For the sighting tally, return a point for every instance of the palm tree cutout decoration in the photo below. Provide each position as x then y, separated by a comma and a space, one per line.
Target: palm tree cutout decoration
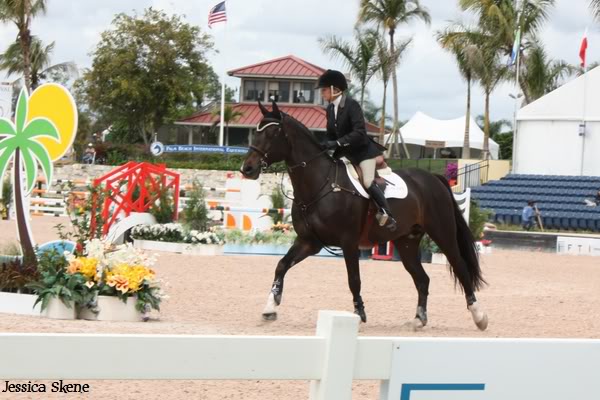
43, 131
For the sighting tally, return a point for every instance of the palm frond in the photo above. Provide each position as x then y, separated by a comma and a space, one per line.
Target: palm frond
42, 157
7, 128
21, 113
7, 146
30, 168
40, 127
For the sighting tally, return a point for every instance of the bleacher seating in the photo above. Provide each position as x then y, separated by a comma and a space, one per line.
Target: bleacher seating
560, 199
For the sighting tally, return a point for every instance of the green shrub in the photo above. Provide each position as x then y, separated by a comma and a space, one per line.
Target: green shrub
477, 219
195, 214
278, 202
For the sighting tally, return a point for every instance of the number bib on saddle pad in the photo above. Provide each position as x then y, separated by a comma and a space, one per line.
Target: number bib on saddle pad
395, 186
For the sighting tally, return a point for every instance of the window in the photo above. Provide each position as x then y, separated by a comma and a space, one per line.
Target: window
304, 92
279, 91
254, 90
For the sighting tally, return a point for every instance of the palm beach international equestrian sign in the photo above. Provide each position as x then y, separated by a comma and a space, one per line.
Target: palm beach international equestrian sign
157, 148
42, 132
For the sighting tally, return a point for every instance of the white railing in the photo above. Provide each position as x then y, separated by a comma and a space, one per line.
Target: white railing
499, 368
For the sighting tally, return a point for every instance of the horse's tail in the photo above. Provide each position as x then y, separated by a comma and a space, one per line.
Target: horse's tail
466, 241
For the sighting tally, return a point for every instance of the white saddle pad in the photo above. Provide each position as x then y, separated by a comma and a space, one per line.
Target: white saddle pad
395, 189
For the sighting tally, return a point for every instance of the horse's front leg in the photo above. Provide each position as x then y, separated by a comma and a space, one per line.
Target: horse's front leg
351, 256
301, 249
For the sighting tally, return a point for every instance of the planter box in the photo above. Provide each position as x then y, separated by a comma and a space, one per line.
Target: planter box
264, 249
113, 309
17, 303
57, 310
439, 258
258, 249
181, 248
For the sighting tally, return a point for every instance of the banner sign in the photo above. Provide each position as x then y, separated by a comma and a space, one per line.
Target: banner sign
494, 369
158, 148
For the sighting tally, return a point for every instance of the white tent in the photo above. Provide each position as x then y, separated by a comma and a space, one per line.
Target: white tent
423, 130
548, 131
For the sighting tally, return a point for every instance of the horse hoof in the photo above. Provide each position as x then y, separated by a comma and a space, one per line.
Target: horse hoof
270, 316
482, 324
362, 315
479, 316
417, 324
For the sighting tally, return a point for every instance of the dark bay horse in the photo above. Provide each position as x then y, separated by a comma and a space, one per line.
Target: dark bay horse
325, 212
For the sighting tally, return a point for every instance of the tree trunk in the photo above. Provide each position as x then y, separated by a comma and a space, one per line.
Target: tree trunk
395, 131
466, 153
382, 122
485, 154
25, 39
23, 229
362, 96
227, 134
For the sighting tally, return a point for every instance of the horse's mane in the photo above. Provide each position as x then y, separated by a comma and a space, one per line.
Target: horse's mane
300, 126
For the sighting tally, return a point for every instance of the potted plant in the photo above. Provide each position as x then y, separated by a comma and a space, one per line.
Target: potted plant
120, 283
58, 290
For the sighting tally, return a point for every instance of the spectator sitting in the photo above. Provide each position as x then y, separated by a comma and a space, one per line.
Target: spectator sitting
528, 215
89, 155
594, 202
301, 98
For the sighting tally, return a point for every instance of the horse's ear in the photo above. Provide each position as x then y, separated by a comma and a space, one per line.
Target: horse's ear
276, 109
263, 109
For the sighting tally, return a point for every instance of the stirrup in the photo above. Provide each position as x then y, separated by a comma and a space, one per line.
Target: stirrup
382, 217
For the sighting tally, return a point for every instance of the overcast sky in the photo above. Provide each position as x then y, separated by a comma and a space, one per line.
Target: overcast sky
259, 30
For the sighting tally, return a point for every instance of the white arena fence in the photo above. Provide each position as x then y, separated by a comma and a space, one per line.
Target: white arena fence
408, 368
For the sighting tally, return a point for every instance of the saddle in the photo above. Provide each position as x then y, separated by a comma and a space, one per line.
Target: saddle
381, 170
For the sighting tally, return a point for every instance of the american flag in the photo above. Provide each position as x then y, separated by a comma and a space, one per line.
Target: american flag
217, 14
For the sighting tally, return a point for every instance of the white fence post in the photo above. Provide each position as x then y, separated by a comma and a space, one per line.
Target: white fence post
340, 330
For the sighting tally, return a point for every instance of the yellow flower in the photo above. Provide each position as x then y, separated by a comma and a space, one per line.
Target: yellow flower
135, 275
88, 267
74, 266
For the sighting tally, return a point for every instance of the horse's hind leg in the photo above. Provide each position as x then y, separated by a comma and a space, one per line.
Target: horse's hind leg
298, 252
449, 245
409, 253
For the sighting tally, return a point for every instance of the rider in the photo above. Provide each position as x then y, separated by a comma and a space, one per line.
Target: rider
348, 137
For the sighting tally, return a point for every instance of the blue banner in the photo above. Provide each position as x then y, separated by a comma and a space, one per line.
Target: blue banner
196, 148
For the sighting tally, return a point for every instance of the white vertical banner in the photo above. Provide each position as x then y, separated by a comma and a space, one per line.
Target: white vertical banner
6, 92
493, 369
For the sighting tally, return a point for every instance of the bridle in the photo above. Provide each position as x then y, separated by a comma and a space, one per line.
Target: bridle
264, 160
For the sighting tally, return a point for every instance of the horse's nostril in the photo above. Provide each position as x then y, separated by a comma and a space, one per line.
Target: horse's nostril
248, 169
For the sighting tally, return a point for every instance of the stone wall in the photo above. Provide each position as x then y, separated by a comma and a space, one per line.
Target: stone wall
207, 178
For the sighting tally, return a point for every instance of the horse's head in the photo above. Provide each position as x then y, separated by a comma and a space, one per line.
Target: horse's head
269, 143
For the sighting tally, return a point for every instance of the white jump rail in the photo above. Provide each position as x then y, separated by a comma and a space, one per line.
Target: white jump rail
498, 369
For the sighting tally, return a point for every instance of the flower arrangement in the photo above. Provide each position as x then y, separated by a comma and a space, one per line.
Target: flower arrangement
100, 270
176, 233
120, 271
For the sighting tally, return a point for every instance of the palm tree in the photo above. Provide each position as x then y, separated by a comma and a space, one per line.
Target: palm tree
579, 70
230, 115
389, 14
595, 6
359, 58
542, 75
454, 41
21, 12
12, 62
386, 61
20, 144
501, 19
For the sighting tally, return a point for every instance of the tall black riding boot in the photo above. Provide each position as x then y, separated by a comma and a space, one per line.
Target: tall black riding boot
384, 217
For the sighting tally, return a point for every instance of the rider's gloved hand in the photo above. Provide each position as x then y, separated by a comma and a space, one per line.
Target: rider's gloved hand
331, 145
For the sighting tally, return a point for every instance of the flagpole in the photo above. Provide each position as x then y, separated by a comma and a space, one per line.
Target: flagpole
518, 92
582, 126
222, 121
